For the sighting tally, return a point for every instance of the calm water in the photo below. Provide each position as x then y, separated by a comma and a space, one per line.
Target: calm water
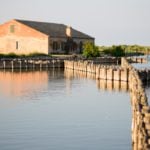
143, 65
53, 110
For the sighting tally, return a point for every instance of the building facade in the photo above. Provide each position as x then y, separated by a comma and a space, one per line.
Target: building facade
25, 37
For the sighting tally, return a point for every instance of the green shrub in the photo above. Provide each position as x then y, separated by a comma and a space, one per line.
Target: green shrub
11, 55
116, 51
90, 50
36, 54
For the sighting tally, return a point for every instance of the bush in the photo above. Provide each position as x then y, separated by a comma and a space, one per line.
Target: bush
13, 55
90, 50
116, 51
36, 54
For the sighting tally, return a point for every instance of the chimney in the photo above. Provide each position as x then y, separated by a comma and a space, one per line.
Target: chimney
68, 31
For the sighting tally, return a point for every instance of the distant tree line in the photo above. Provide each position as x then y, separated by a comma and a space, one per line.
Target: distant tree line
91, 50
124, 50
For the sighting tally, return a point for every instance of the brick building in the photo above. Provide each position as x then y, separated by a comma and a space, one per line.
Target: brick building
24, 37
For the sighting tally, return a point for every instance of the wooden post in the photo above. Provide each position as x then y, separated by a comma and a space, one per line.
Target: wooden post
20, 64
12, 65
53, 61
40, 65
4, 64
103, 73
110, 73
26, 61
97, 72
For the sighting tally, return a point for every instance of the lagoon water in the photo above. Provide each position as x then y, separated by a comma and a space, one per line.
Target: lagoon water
57, 110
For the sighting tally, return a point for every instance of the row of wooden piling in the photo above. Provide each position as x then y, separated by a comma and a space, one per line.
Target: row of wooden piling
139, 102
137, 59
110, 85
140, 110
101, 71
30, 64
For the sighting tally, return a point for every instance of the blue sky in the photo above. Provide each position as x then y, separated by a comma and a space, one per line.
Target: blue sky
109, 21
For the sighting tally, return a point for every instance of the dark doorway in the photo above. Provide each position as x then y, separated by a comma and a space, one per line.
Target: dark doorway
69, 45
81, 46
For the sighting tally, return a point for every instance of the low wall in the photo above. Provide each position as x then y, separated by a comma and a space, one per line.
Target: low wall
140, 110
137, 59
105, 60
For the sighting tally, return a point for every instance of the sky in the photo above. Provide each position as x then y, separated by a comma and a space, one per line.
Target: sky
110, 22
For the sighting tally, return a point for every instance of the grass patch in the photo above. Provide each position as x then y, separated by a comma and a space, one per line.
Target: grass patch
13, 55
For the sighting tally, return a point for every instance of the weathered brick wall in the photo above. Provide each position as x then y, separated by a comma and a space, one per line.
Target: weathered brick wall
22, 40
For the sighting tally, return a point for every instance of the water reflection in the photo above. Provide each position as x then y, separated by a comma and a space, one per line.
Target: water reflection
69, 112
112, 85
144, 64
71, 74
101, 84
24, 82
141, 66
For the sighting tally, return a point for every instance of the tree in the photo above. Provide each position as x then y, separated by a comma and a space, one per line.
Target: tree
90, 50
116, 51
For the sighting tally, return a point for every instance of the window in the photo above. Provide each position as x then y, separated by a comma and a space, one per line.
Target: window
62, 45
16, 44
12, 28
55, 45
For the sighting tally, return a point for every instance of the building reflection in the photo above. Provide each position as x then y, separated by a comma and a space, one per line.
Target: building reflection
101, 84
29, 82
25, 82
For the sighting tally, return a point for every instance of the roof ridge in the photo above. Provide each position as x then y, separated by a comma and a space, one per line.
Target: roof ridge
53, 29
22, 20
